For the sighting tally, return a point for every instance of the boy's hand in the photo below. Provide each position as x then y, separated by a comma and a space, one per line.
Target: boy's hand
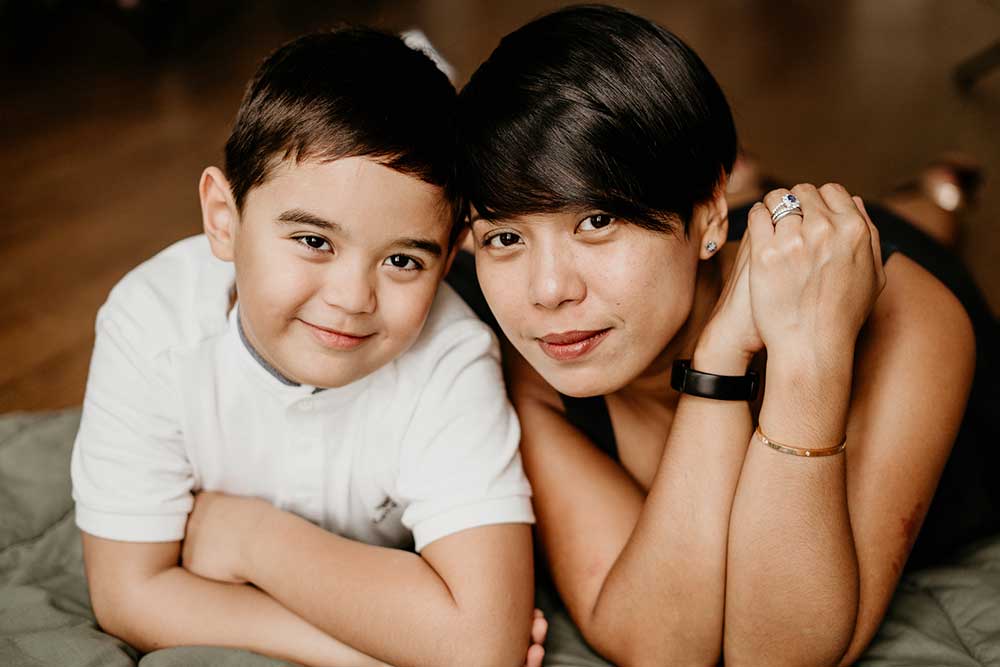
216, 532
536, 651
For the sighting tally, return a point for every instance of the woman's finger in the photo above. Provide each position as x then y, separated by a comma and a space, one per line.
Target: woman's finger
837, 198
787, 223
819, 218
759, 227
876, 241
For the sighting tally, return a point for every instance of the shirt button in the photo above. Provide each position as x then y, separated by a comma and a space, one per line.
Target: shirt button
305, 407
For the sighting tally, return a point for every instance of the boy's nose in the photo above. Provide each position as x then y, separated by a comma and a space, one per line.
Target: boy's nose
352, 291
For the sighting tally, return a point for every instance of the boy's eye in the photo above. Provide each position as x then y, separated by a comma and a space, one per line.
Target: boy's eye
314, 242
502, 240
595, 222
402, 262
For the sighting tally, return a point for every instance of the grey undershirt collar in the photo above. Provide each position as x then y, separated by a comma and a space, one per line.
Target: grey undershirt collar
259, 359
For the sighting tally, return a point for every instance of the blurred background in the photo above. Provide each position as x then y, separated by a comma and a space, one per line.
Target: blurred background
111, 108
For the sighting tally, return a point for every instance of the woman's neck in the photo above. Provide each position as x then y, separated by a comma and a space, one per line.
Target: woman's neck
655, 380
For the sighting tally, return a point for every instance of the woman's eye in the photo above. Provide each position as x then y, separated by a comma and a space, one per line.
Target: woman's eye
314, 242
502, 240
402, 262
594, 222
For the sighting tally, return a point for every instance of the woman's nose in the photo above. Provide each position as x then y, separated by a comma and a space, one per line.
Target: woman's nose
554, 279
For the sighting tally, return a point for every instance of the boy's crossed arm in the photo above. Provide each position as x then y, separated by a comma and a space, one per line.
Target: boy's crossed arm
466, 600
141, 595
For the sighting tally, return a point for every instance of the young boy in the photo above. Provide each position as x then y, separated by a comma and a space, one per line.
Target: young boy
299, 369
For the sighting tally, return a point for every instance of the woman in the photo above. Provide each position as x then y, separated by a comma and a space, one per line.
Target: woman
682, 528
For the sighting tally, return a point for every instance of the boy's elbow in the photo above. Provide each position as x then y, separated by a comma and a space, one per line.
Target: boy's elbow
121, 609
112, 610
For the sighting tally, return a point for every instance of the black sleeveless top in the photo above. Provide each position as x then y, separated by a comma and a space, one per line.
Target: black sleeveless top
966, 505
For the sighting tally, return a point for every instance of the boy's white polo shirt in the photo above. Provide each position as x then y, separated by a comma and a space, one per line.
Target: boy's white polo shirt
422, 448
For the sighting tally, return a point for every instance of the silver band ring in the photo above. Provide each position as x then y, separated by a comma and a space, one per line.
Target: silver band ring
788, 204
781, 214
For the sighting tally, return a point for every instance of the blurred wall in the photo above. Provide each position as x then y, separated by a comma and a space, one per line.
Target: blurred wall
112, 108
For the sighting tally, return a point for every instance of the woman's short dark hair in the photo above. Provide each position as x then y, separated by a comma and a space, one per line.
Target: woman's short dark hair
592, 107
350, 92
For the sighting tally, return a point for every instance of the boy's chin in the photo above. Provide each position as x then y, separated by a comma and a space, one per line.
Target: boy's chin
315, 371
330, 380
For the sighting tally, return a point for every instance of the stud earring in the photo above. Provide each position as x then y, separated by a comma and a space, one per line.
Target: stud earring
711, 246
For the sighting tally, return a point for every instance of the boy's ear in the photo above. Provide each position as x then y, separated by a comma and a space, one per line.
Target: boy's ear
219, 215
713, 224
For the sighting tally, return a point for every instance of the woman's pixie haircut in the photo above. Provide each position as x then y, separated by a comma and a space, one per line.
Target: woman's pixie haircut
350, 92
593, 108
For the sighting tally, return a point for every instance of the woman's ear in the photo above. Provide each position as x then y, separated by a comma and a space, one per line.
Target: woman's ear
713, 224
219, 215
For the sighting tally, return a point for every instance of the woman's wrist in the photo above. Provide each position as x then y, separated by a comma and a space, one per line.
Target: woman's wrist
811, 366
713, 355
807, 397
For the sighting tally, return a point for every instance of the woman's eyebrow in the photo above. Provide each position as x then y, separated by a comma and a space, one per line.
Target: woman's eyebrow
488, 221
298, 216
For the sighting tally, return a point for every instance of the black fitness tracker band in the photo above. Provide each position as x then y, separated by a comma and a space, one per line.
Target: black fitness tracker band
686, 380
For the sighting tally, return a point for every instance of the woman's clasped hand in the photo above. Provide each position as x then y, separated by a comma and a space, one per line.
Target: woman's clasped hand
803, 286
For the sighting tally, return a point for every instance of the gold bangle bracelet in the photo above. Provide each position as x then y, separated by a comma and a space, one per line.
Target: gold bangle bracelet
800, 451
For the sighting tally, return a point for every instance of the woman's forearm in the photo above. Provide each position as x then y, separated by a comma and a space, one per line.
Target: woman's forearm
792, 585
667, 588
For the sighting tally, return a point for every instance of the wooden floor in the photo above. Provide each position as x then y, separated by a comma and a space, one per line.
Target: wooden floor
103, 137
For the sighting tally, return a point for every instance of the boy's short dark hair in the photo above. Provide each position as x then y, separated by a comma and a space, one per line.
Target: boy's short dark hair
592, 107
349, 92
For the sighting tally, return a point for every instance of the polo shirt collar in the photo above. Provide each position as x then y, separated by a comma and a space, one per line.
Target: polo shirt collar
259, 359
273, 380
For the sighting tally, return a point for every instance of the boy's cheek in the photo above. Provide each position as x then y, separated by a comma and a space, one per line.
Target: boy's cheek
407, 310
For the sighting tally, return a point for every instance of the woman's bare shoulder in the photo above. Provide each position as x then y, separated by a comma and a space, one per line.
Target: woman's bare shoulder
915, 307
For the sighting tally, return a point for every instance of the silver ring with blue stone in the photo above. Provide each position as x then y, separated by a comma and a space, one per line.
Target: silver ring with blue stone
788, 205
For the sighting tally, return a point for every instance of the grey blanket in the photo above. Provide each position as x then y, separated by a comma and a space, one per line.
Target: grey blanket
945, 616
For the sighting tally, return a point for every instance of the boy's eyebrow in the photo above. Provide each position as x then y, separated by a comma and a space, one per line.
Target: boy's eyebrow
432, 247
301, 217
298, 216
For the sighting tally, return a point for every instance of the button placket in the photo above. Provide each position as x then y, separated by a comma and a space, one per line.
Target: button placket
303, 480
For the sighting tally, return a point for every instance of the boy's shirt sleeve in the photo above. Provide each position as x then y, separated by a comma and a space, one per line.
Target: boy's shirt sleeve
132, 479
460, 466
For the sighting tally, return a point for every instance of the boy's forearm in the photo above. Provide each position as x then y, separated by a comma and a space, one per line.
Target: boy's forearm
388, 602
177, 608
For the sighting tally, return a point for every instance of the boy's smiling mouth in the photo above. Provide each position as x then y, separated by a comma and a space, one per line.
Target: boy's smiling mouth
333, 339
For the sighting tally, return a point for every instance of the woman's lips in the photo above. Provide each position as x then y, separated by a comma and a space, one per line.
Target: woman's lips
571, 345
337, 340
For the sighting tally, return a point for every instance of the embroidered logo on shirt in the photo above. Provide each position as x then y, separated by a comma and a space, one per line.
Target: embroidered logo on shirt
384, 509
